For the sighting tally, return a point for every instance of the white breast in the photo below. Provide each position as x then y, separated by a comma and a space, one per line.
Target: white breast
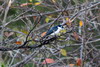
56, 32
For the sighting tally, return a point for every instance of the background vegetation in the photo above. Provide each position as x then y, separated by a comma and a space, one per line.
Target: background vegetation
23, 23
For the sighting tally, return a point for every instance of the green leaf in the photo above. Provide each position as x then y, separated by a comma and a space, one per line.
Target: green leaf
2, 64
24, 31
63, 31
30, 0
37, 3
63, 52
47, 20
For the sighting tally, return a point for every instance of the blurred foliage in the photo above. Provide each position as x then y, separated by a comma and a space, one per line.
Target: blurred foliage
23, 15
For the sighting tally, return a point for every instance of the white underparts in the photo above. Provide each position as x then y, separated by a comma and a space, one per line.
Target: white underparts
58, 31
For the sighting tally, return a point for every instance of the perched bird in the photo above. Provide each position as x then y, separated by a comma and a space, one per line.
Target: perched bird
54, 30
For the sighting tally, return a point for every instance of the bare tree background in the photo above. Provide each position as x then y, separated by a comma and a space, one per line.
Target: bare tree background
23, 22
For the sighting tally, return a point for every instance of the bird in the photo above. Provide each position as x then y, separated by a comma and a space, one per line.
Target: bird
54, 30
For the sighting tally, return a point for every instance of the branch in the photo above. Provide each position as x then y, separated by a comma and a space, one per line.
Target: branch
26, 60
76, 14
43, 41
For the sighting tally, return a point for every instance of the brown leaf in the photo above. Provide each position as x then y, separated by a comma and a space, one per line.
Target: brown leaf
48, 60
43, 34
25, 4
69, 22
71, 65
78, 62
18, 42
76, 36
34, 17
8, 34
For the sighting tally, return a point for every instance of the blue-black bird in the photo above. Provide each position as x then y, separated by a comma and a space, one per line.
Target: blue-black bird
54, 30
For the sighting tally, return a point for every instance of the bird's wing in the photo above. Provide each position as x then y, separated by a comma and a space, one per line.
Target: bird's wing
51, 30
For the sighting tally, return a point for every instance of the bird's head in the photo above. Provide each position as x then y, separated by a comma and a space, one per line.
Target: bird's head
60, 26
62, 29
